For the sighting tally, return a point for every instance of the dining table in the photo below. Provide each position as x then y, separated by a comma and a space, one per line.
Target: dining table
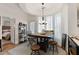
42, 40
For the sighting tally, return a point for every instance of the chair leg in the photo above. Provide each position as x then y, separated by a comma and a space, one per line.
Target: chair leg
38, 52
53, 49
1, 49
49, 47
33, 52
56, 49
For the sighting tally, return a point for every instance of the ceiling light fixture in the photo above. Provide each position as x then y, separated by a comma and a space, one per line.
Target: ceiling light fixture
43, 16
43, 7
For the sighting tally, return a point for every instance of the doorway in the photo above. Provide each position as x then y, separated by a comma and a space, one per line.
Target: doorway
7, 33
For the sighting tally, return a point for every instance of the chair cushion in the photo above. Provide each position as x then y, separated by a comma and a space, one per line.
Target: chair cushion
35, 47
52, 42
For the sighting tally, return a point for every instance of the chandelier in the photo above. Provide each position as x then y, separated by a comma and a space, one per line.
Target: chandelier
43, 16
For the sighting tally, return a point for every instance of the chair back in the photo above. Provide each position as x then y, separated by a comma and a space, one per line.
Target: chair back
31, 40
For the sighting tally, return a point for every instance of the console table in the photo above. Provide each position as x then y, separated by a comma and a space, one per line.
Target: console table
73, 46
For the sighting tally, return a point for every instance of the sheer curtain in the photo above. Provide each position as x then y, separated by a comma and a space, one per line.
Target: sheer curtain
49, 21
39, 26
57, 28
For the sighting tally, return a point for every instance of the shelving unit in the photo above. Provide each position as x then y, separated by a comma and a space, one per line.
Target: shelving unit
22, 28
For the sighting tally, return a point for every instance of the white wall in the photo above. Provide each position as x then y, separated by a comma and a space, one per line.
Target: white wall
64, 22
63, 27
13, 11
32, 19
72, 20
69, 20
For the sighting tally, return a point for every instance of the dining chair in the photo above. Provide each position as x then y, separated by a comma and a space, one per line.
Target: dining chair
53, 44
34, 47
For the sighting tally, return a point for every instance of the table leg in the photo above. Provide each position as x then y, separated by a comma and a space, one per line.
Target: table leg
37, 40
47, 42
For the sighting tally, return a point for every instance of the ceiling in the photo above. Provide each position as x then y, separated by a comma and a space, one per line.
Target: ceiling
35, 8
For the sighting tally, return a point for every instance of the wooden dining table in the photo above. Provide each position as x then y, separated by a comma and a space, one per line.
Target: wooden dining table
42, 40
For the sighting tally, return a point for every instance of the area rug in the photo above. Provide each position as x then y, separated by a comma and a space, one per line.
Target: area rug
8, 46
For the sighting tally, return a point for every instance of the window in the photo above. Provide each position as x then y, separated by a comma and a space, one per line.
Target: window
32, 27
48, 20
57, 27
40, 27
